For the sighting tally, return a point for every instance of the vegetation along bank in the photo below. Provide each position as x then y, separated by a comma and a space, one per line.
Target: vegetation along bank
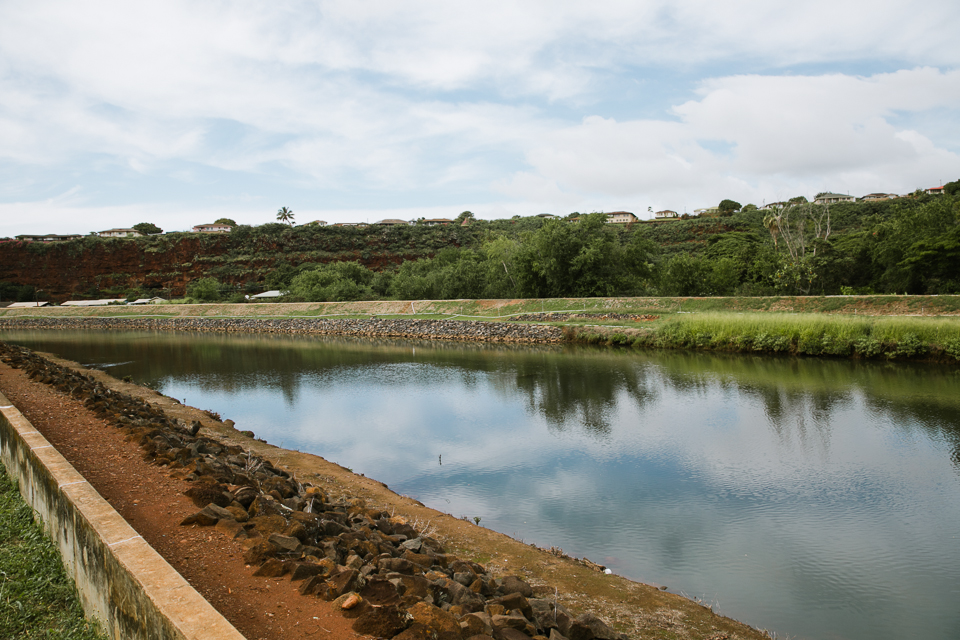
849, 327
908, 245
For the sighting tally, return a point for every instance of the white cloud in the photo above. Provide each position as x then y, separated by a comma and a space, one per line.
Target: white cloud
787, 135
429, 102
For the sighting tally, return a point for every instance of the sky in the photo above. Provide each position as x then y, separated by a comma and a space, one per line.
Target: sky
179, 113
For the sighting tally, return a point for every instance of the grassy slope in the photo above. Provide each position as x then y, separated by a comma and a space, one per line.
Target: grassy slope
37, 599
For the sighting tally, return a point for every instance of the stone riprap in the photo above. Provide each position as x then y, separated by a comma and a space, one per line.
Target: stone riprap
396, 581
372, 327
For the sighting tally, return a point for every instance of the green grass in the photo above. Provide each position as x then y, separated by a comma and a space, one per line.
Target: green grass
810, 334
37, 599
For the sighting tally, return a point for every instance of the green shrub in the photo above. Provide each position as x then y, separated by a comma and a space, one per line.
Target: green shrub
868, 347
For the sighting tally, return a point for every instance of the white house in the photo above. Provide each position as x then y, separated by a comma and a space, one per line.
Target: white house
666, 213
119, 233
833, 198
621, 217
212, 228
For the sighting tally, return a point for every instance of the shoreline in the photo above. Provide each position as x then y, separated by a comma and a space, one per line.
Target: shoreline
630, 606
933, 339
496, 332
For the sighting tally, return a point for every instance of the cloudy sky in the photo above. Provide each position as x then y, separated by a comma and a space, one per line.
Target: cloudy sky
118, 112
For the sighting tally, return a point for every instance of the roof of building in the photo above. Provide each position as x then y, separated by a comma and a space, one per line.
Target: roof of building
26, 305
92, 303
392, 221
269, 294
147, 301
52, 236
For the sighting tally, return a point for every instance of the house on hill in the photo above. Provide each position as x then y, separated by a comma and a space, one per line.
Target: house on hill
665, 214
213, 227
935, 191
432, 222
875, 197
621, 217
119, 233
773, 206
50, 237
832, 198
392, 222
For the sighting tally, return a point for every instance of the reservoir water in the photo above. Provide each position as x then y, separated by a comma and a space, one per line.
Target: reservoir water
814, 498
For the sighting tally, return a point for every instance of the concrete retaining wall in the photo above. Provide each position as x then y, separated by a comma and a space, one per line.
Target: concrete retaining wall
123, 582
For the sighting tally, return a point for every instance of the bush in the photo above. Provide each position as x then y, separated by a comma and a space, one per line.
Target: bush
867, 347
204, 289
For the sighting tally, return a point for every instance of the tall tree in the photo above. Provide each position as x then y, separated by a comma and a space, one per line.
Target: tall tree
285, 215
147, 228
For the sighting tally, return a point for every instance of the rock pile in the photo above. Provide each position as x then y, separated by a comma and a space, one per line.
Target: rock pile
391, 328
394, 580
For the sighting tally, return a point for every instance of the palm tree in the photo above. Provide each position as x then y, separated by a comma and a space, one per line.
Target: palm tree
285, 215
772, 223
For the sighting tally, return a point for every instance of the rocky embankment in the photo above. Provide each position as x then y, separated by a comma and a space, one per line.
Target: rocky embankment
379, 327
396, 581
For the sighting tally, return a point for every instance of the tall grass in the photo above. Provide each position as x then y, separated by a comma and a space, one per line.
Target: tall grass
810, 334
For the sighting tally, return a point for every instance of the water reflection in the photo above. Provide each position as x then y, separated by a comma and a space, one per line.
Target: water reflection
815, 498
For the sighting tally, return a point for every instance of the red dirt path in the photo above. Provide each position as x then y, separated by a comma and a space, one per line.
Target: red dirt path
154, 504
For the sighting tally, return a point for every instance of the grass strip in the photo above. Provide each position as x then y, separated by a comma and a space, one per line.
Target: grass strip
37, 598
805, 334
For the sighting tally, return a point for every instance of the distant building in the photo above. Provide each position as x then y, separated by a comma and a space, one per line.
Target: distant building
874, 197
433, 222
546, 215
936, 191
212, 228
119, 233
352, 224
621, 217
708, 211
93, 303
50, 237
832, 198
773, 206
27, 305
318, 223
147, 301
666, 213
392, 222
268, 295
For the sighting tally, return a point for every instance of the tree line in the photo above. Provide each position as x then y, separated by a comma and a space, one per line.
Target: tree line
909, 246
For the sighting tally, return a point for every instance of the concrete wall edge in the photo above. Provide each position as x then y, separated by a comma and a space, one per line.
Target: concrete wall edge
122, 581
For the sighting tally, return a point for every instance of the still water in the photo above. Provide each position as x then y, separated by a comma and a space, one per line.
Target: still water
816, 499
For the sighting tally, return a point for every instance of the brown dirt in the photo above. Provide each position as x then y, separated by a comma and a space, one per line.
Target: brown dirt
153, 503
